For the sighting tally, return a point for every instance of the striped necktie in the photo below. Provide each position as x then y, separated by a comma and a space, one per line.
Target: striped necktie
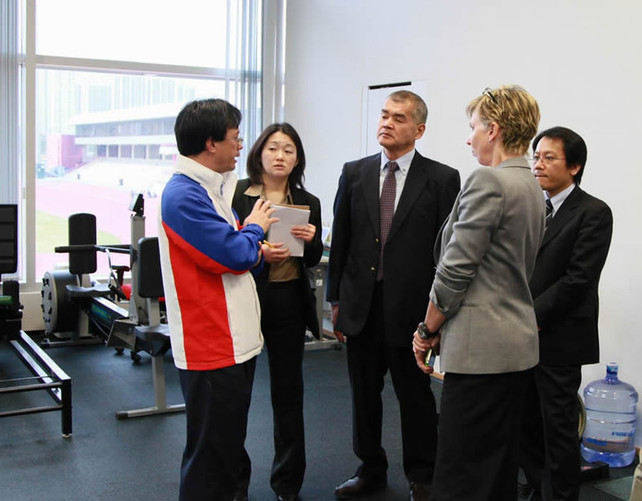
549, 211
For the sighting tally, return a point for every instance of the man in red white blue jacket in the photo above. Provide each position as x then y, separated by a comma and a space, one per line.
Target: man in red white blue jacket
212, 307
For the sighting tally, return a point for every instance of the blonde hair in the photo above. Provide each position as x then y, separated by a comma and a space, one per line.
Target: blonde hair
514, 110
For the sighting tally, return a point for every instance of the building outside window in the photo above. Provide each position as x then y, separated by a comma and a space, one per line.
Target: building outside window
98, 101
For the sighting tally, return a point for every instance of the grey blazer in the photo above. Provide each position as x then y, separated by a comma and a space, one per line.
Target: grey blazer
486, 256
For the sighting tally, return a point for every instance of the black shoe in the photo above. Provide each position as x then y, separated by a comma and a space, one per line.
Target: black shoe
419, 491
287, 497
524, 489
357, 486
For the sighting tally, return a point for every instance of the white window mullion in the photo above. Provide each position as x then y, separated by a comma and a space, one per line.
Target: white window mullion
9, 102
27, 139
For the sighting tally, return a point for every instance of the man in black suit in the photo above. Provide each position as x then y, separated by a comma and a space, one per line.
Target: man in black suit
379, 287
564, 286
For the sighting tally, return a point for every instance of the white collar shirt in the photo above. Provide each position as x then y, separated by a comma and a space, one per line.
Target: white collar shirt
558, 199
403, 162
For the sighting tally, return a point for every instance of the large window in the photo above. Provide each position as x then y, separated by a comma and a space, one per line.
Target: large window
100, 139
100, 85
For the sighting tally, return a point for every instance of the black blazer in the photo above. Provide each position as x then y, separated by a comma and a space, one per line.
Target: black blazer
427, 198
566, 278
312, 252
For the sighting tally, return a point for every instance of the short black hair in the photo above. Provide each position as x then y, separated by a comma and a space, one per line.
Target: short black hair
202, 119
255, 168
574, 147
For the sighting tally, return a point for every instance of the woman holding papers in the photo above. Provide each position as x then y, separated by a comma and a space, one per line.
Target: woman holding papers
275, 167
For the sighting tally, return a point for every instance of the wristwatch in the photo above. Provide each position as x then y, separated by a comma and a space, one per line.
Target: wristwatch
424, 332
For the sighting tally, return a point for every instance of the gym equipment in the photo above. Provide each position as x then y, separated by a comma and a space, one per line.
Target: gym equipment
47, 375
77, 311
10, 308
72, 303
327, 338
152, 337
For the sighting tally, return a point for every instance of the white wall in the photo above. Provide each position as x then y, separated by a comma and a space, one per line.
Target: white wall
580, 59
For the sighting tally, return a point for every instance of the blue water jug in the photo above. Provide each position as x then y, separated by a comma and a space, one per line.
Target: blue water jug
610, 420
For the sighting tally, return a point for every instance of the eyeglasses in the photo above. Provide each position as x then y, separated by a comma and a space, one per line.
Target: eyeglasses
546, 159
237, 140
488, 92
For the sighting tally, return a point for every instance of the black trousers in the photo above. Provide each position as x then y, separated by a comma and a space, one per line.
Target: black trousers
216, 407
479, 424
370, 356
283, 327
550, 443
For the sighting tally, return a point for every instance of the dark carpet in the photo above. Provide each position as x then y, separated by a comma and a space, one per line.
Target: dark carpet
139, 458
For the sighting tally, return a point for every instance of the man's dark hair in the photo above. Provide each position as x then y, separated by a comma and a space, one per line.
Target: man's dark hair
419, 108
574, 147
203, 119
254, 165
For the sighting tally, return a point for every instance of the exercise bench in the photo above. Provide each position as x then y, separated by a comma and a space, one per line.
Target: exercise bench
47, 375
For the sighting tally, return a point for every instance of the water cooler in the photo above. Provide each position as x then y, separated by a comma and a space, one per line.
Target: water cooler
610, 420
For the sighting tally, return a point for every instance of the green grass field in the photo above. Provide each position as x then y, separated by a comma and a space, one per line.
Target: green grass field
53, 231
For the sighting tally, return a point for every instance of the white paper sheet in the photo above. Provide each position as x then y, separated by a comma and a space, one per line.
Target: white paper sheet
280, 231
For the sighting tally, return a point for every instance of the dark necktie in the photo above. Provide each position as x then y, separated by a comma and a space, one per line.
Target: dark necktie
549, 211
386, 210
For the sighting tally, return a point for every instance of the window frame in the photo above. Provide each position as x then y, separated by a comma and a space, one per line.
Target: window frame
245, 83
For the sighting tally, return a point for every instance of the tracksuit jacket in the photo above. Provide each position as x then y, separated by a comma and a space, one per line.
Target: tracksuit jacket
212, 306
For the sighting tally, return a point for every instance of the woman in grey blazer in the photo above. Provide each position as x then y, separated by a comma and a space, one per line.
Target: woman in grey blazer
480, 315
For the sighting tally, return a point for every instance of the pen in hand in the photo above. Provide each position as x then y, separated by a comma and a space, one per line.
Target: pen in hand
275, 252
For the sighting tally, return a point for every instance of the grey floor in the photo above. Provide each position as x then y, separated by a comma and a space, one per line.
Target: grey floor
138, 459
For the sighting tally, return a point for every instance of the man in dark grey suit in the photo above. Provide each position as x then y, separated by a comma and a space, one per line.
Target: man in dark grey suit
379, 286
565, 292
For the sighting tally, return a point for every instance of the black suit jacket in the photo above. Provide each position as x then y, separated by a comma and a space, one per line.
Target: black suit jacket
566, 278
427, 198
312, 252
